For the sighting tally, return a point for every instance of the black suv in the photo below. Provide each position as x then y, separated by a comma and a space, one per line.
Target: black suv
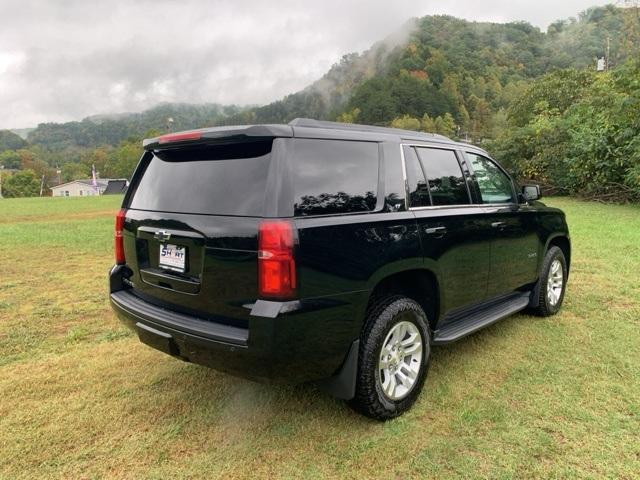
328, 253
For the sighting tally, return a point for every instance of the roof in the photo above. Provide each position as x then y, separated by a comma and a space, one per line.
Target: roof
115, 187
102, 182
356, 127
300, 127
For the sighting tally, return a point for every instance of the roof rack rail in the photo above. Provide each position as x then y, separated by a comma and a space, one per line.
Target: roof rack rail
310, 122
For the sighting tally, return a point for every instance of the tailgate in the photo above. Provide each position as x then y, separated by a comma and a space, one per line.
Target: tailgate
220, 262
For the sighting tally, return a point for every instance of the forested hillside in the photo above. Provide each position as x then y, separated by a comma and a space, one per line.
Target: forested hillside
577, 132
112, 129
486, 83
470, 70
10, 141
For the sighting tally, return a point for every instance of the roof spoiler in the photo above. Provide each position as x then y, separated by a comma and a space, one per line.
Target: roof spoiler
217, 135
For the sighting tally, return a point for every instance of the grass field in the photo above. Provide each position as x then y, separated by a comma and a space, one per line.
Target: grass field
526, 398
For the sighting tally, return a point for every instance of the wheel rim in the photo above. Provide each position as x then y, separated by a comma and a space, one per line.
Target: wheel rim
555, 283
400, 360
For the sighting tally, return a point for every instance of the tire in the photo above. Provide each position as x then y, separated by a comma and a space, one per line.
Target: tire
391, 324
546, 304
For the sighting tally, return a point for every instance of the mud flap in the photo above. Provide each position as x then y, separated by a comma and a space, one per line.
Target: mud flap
343, 384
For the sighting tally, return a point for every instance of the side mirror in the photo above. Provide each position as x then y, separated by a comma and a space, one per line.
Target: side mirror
531, 192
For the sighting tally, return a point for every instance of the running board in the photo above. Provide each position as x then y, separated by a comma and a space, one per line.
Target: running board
479, 318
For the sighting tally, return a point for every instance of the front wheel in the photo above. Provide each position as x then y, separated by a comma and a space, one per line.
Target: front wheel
552, 283
393, 358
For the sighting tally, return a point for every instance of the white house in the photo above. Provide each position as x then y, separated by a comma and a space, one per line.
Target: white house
85, 188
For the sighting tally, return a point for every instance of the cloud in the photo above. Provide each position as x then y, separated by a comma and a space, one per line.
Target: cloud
66, 59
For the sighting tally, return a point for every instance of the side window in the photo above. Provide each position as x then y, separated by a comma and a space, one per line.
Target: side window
495, 186
447, 185
333, 177
418, 191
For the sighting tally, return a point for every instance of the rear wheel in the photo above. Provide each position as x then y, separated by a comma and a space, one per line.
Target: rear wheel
393, 358
552, 283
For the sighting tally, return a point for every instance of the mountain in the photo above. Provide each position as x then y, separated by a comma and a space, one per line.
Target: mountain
11, 141
470, 70
22, 132
112, 129
325, 98
436, 72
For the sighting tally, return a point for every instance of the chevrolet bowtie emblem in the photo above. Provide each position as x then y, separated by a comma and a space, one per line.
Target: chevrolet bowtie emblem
162, 235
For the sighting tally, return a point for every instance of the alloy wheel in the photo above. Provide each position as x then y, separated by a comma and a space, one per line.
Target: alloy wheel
555, 283
400, 360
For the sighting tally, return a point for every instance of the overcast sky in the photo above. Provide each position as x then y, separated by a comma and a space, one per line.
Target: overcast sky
62, 60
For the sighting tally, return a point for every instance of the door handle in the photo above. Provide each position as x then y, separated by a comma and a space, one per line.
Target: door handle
499, 225
436, 230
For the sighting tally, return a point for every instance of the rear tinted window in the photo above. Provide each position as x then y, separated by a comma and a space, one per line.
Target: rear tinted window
216, 180
333, 177
444, 175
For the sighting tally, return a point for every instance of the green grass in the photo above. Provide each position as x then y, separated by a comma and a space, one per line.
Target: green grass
64, 207
80, 397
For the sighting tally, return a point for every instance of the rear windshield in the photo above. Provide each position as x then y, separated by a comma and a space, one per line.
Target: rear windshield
214, 180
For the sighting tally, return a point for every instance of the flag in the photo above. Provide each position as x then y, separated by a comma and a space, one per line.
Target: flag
94, 181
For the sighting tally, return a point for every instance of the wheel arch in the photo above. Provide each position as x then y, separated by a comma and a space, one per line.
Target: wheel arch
563, 243
419, 284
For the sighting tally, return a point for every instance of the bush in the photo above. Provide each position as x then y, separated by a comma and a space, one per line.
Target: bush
21, 184
588, 147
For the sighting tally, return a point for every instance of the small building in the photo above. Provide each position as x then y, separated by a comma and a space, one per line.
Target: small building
85, 188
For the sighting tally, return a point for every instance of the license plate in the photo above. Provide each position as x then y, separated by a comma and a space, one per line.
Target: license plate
172, 257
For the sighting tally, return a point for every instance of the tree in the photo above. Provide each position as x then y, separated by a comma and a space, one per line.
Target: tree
464, 118
590, 147
559, 90
437, 66
428, 124
30, 160
21, 184
123, 160
480, 118
75, 171
349, 117
406, 123
445, 125
10, 159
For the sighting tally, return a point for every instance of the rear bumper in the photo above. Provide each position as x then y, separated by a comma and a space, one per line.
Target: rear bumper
137, 310
219, 346
282, 344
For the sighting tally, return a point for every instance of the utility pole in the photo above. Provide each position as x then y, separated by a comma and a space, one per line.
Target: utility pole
606, 61
41, 185
1, 168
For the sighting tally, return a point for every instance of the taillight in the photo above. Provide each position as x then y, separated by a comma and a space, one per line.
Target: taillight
119, 243
180, 137
276, 265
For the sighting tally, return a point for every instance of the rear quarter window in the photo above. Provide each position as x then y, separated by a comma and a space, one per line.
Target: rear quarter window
214, 180
334, 177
